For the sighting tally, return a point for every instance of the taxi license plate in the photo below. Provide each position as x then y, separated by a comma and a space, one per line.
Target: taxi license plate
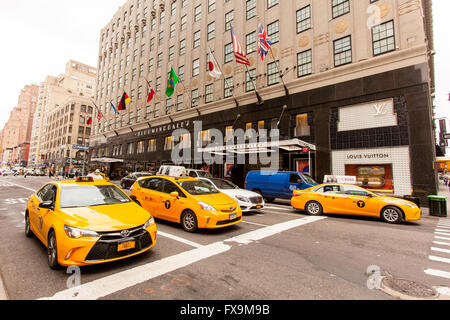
126, 246
258, 207
232, 216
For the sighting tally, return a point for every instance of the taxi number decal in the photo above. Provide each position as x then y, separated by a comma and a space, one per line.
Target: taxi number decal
361, 204
167, 204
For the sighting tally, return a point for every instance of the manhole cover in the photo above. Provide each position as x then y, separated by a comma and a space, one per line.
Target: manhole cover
409, 288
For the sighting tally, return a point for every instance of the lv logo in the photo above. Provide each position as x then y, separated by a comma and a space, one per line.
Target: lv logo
380, 109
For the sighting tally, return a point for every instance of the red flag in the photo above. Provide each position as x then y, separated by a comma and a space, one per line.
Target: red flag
151, 92
239, 53
89, 122
99, 115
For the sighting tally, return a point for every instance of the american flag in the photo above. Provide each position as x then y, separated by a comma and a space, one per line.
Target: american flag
263, 42
239, 54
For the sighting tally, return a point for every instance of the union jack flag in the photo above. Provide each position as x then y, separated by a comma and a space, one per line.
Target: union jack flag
263, 42
239, 54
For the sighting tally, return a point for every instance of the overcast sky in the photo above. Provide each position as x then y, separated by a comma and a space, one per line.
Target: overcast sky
39, 36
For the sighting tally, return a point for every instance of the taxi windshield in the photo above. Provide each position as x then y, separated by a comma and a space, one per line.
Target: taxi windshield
197, 187
88, 196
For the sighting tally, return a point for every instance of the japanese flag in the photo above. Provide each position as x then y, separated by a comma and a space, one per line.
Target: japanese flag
213, 66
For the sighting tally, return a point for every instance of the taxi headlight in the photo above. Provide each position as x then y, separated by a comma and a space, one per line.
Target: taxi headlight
77, 233
149, 222
243, 199
206, 206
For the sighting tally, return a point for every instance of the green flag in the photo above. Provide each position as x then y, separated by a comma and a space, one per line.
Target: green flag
173, 80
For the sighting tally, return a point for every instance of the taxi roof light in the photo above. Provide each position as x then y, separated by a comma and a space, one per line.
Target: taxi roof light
85, 179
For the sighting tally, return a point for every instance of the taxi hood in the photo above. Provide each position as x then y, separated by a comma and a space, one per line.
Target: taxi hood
107, 218
217, 200
397, 201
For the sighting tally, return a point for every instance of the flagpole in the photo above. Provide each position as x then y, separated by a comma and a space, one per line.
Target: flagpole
260, 100
223, 76
279, 72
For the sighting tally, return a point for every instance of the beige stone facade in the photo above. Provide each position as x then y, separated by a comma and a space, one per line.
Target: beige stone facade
316, 43
55, 119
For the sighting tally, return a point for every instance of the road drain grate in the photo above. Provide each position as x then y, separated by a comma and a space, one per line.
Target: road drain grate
409, 288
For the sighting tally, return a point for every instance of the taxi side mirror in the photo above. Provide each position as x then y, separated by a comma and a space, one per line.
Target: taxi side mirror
175, 194
46, 205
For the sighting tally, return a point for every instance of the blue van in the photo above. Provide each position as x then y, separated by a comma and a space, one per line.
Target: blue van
277, 184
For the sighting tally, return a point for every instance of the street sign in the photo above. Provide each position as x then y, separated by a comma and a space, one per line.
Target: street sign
75, 146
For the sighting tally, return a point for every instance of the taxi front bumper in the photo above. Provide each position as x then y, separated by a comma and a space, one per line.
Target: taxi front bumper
219, 219
88, 251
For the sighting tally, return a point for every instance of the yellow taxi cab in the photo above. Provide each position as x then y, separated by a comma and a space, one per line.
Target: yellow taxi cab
191, 202
353, 200
87, 222
98, 175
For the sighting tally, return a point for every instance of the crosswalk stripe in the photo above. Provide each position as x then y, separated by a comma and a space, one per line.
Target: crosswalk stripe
443, 233
439, 259
443, 238
440, 250
442, 243
438, 273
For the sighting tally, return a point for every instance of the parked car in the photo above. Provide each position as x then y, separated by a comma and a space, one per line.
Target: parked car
128, 181
39, 172
8, 172
277, 184
247, 200
198, 173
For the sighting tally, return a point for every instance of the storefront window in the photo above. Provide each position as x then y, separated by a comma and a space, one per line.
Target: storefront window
374, 177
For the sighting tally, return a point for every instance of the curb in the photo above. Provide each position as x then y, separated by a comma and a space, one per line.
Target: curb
3, 294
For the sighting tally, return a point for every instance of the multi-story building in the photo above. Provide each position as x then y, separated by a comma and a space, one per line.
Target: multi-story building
350, 80
16, 135
75, 86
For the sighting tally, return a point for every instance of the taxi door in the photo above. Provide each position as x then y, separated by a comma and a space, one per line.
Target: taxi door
45, 215
359, 202
33, 209
331, 198
149, 195
171, 207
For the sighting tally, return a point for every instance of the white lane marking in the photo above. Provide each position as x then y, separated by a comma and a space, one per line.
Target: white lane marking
18, 185
442, 243
287, 209
438, 273
444, 227
443, 233
440, 250
443, 238
440, 259
108, 285
256, 224
179, 239
442, 230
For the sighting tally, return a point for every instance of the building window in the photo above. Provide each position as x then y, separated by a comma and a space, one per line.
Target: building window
168, 106
195, 67
130, 149
272, 73
194, 96
172, 30
304, 63
156, 111
151, 145
383, 38
248, 80
181, 73
182, 47
140, 147
229, 16
228, 53
179, 102
302, 128
171, 53
250, 9
183, 22
197, 13
160, 58
211, 31
197, 39
168, 143
304, 19
228, 87
272, 32
250, 40
209, 91
211, 5
271, 3
340, 7
342, 51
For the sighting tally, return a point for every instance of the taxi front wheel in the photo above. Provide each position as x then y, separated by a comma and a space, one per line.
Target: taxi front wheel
28, 232
391, 214
52, 251
189, 221
314, 208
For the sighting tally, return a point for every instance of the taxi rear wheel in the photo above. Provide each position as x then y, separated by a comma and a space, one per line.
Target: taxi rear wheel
52, 251
314, 208
391, 214
189, 221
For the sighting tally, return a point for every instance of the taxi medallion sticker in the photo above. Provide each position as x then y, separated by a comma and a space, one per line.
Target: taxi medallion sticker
361, 204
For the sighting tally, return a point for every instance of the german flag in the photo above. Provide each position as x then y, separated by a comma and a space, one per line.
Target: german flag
123, 102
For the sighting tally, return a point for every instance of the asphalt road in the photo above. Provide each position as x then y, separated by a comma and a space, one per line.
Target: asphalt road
278, 254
